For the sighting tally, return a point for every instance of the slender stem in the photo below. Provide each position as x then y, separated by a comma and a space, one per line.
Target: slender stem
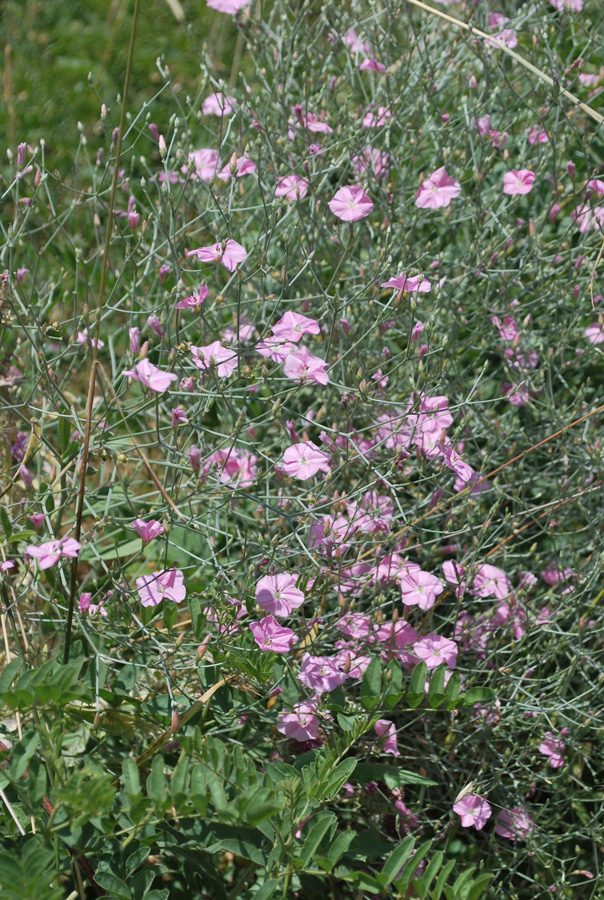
97, 331
493, 41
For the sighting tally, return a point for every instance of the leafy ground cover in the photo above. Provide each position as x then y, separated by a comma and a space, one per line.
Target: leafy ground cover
301, 409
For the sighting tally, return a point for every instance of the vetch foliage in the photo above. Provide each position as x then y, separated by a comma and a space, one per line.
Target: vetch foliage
300, 399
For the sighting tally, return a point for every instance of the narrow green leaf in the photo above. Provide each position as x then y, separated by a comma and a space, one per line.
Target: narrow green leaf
340, 846
478, 887
9, 673
130, 777
442, 880
156, 783
197, 619
422, 885
113, 884
417, 685
371, 685
411, 867
319, 828
452, 689
478, 695
338, 778
436, 691
397, 860
462, 881
267, 890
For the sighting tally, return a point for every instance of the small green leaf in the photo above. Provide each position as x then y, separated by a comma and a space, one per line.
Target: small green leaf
462, 881
436, 691
478, 695
130, 777
422, 885
338, 778
340, 846
113, 884
156, 783
411, 867
478, 887
267, 890
417, 685
9, 673
452, 689
396, 861
442, 880
319, 828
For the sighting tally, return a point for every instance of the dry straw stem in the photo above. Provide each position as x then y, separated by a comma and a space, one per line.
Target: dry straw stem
542, 76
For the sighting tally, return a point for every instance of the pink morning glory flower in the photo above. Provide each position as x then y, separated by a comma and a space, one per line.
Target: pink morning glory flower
384, 728
437, 190
518, 181
554, 748
355, 625
376, 119
215, 354
491, 582
50, 552
165, 584
86, 606
301, 723
595, 333
454, 461
372, 65
275, 348
419, 588
227, 6
153, 378
195, 300
474, 811
230, 254
206, 162
301, 365
7, 565
412, 283
516, 824
278, 594
350, 203
291, 326
303, 460
291, 188
84, 338
372, 160
148, 531
240, 166
37, 519
269, 635
218, 105
436, 650
320, 673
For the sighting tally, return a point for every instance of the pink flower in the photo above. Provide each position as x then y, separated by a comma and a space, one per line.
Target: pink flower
320, 673
491, 582
278, 594
91, 608
372, 160
148, 531
474, 811
271, 636
412, 283
301, 365
50, 552
303, 460
37, 519
301, 723
595, 333
195, 300
227, 6
230, 254
165, 584
218, 104
350, 203
377, 119
518, 181
153, 378
554, 748
355, 625
437, 190
436, 650
215, 354
515, 824
275, 348
291, 188
239, 166
291, 326
179, 417
454, 574
84, 338
535, 136
7, 564
384, 728
507, 37
206, 162
134, 335
419, 588
573, 5
454, 461
372, 65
